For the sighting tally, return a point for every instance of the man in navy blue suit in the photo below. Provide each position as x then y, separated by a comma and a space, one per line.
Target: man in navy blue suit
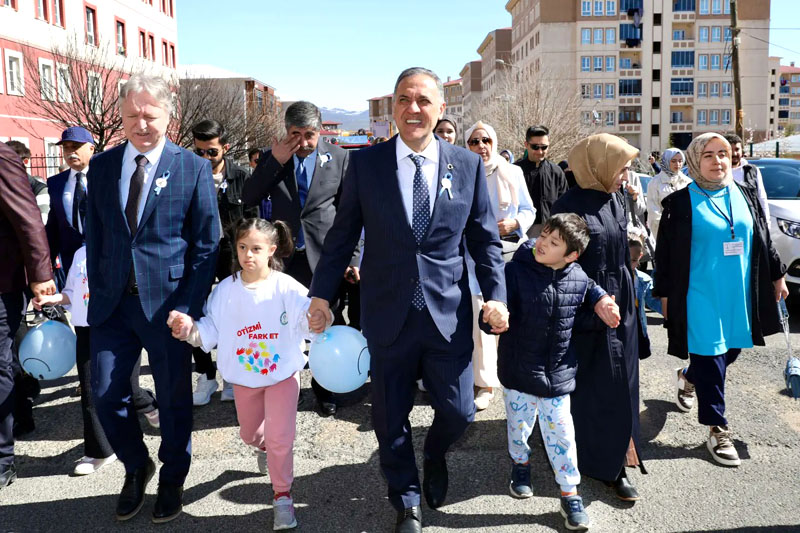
152, 236
422, 203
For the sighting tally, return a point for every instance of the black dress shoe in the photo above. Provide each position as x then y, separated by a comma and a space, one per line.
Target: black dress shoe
8, 475
131, 498
327, 408
623, 489
169, 503
434, 485
409, 520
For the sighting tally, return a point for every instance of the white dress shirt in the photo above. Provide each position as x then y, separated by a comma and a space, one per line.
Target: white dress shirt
406, 170
129, 167
69, 191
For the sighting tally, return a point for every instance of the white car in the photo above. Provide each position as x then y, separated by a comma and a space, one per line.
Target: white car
782, 183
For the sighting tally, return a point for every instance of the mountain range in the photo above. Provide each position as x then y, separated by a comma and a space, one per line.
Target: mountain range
351, 120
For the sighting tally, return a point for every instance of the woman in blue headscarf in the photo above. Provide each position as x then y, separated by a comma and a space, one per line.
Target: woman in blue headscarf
666, 182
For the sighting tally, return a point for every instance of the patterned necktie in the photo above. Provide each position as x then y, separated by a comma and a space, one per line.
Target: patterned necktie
135, 190
420, 218
79, 204
302, 192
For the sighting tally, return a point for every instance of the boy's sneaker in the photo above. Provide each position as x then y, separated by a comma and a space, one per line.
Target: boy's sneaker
261, 459
203, 390
283, 514
684, 395
153, 419
227, 392
520, 486
720, 444
575, 515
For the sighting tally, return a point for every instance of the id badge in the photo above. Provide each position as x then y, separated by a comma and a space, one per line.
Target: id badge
733, 247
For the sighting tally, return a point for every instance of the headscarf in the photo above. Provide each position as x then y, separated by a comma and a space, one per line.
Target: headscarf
506, 188
510, 155
693, 155
598, 159
666, 157
450, 120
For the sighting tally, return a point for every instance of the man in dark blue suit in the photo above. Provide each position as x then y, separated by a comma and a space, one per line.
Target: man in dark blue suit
152, 236
422, 203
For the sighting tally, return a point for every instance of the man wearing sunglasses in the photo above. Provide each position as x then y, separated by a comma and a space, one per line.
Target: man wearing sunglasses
545, 180
210, 142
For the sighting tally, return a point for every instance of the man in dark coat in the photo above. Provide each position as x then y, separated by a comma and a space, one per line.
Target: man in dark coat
545, 180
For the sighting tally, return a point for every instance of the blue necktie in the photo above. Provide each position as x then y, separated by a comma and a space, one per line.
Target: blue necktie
79, 204
420, 218
302, 192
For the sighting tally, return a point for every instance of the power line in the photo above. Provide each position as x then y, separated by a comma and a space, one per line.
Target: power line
771, 44
771, 29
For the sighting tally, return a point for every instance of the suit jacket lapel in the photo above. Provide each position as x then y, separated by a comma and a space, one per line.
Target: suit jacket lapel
168, 157
441, 196
115, 162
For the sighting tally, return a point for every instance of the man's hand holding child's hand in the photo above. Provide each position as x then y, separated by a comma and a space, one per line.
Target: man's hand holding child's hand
181, 324
317, 321
608, 311
496, 315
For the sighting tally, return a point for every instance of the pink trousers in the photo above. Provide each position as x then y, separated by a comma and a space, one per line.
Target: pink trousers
268, 420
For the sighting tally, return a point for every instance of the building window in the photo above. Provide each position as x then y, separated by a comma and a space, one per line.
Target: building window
716, 7
726, 6
164, 53
726, 62
598, 64
726, 88
715, 89
629, 31
678, 35
783, 102
630, 115
625, 62
15, 78
683, 5
9, 3
610, 90
46, 80
714, 61
586, 8
598, 36
702, 62
173, 56
611, 63
142, 43
91, 26
727, 34
586, 36
58, 13
586, 117
630, 87
611, 7
795, 103
702, 34
586, 91
701, 117
151, 46
609, 118
94, 90
122, 43
716, 34
598, 8
704, 7
683, 59
726, 117
64, 88
41, 9
713, 117
676, 117
702, 89
682, 87
598, 91
586, 64
611, 35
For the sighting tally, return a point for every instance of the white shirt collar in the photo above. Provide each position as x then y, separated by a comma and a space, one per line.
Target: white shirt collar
152, 156
430, 153
73, 172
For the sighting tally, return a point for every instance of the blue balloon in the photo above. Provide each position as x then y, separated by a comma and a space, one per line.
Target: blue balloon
48, 350
339, 359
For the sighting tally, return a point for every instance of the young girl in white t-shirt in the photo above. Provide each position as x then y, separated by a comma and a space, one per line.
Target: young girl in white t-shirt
257, 320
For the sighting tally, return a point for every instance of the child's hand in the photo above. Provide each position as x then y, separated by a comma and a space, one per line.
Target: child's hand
496, 315
317, 321
181, 324
608, 311
47, 299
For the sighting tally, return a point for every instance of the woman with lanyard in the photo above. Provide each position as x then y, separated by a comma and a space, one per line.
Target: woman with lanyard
718, 293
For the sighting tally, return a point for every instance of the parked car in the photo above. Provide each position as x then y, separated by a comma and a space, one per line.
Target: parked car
782, 183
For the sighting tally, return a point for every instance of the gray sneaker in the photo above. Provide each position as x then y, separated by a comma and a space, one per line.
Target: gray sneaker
283, 514
684, 391
261, 459
575, 517
720, 444
520, 486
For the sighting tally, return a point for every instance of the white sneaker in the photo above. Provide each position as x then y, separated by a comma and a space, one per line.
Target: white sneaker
153, 419
227, 392
720, 444
261, 459
89, 465
483, 398
203, 390
283, 514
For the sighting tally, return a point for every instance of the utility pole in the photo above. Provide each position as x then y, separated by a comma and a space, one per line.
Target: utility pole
737, 84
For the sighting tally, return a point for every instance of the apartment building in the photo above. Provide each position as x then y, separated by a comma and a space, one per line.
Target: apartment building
785, 98
656, 72
136, 34
257, 96
471, 91
453, 99
495, 52
381, 121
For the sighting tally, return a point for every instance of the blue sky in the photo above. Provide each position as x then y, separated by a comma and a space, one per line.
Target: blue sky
339, 53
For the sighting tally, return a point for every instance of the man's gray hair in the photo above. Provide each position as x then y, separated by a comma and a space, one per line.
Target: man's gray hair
155, 86
416, 71
303, 114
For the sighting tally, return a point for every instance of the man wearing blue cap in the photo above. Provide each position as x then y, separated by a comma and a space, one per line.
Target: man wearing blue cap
65, 234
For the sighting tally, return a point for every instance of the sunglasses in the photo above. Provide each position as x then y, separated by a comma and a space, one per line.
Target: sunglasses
213, 152
541, 147
476, 142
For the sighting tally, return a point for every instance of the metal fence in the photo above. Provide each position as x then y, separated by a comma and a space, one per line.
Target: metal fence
44, 165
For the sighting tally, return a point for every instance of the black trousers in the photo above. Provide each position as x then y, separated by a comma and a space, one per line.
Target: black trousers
11, 307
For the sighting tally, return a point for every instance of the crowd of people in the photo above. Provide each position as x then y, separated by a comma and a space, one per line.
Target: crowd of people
476, 274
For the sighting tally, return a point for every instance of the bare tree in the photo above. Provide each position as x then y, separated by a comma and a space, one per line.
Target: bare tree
79, 88
247, 124
522, 98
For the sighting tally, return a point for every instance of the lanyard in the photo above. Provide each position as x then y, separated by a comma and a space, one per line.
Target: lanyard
720, 211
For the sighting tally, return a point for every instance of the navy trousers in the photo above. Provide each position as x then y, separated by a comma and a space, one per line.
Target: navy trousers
707, 374
446, 369
116, 346
11, 306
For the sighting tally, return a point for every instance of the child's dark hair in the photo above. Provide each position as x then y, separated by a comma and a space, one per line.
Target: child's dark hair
571, 228
635, 242
277, 233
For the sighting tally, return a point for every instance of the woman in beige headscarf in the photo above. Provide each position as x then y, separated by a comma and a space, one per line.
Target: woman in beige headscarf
605, 403
719, 278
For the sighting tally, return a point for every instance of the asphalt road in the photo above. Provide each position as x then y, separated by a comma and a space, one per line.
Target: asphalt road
339, 488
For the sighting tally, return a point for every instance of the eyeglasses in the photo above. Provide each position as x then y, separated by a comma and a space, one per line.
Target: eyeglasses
213, 152
476, 142
541, 147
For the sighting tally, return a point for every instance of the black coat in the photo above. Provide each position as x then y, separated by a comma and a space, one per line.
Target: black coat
546, 183
533, 354
605, 404
671, 278
231, 210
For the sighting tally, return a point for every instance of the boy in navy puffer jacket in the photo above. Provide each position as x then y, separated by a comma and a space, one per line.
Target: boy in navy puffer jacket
547, 292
